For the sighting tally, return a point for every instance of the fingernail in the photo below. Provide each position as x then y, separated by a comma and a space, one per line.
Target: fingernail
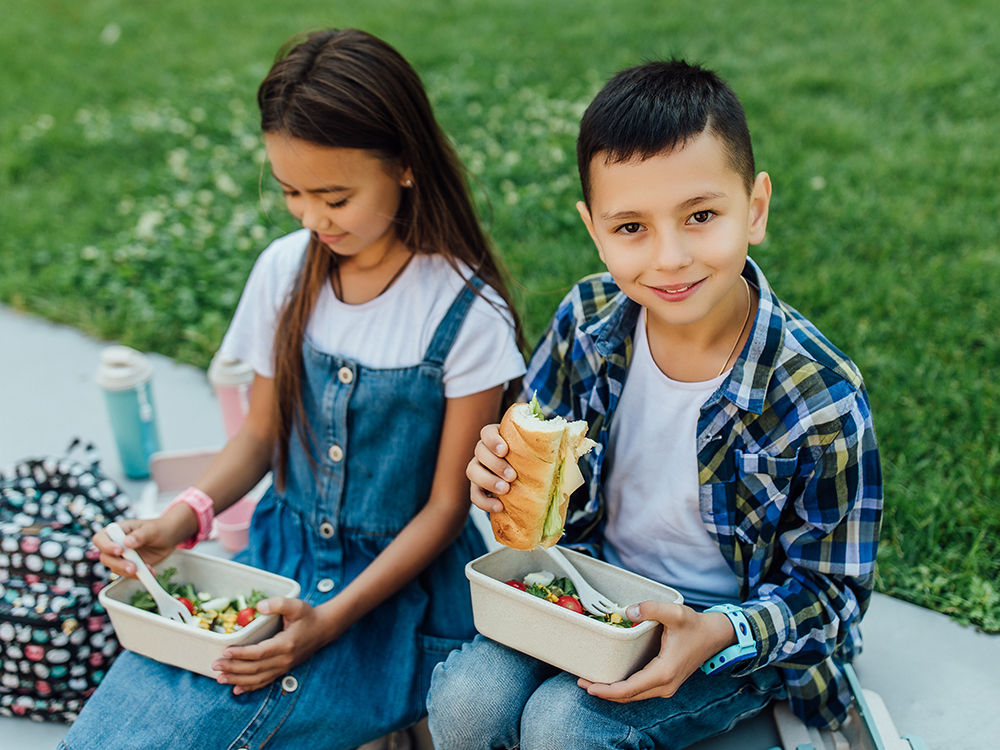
237, 691
264, 608
509, 475
497, 507
632, 612
499, 450
221, 679
501, 487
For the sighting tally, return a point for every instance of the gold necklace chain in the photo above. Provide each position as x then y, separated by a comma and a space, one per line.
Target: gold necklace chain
743, 328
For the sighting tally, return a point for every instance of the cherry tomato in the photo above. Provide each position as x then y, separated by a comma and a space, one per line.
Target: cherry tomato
245, 616
186, 602
517, 584
570, 602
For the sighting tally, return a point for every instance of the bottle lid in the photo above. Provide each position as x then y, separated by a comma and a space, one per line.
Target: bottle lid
123, 368
226, 370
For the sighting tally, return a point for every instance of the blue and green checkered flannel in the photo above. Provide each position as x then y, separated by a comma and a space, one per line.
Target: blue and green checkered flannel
789, 474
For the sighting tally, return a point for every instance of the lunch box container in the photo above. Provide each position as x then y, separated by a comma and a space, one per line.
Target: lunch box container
578, 644
187, 646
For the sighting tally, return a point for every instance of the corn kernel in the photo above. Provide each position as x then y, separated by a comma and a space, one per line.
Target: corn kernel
616, 618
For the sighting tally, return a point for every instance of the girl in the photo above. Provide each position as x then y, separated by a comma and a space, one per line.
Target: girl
382, 337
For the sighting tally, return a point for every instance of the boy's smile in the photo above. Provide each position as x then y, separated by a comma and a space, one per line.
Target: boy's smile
673, 231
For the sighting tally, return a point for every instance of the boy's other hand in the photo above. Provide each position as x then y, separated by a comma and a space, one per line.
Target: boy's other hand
689, 638
489, 473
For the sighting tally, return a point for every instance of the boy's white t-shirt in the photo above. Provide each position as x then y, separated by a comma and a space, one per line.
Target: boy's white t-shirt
654, 524
392, 330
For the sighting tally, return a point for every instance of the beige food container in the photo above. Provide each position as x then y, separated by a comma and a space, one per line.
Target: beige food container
578, 644
187, 646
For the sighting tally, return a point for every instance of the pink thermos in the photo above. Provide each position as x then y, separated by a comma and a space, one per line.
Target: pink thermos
232, 380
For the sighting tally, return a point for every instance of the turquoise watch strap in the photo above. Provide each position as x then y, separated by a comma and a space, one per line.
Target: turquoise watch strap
745, 648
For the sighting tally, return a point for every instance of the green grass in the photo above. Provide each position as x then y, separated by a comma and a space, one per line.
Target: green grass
129, 178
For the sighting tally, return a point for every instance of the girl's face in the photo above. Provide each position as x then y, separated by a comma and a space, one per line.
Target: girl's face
347, 197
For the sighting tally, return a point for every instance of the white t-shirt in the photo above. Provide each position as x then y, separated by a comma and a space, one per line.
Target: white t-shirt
392, 330
654, 524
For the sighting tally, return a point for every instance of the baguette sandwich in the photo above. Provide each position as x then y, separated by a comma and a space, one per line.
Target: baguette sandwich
544, 453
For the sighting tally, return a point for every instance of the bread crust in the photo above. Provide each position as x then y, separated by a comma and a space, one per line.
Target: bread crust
535, 451
534, 455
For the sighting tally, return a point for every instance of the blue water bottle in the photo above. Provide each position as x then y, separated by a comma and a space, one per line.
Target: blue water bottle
125, 376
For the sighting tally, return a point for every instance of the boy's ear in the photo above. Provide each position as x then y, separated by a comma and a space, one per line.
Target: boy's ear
588, 222
760, 200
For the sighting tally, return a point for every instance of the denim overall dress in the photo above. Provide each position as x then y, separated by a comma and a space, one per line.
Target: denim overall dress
375, 436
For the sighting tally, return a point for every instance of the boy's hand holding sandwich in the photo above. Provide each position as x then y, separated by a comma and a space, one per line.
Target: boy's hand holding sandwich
541, 471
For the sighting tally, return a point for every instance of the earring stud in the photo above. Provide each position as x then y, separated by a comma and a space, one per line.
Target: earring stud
408, 183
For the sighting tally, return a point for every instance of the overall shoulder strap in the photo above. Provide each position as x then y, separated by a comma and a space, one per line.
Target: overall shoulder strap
445, 334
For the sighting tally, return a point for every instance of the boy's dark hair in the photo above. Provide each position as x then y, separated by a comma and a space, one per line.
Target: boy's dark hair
655, 107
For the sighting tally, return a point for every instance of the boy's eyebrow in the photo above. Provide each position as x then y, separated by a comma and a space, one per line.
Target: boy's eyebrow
621, 216
325, 189
713, 195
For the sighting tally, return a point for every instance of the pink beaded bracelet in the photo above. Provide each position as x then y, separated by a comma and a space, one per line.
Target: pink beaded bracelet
204, 508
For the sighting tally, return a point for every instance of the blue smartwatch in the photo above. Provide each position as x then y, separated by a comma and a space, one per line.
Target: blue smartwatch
745, 648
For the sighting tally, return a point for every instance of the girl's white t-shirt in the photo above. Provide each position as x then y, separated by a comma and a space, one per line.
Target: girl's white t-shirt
392, 330
654, 523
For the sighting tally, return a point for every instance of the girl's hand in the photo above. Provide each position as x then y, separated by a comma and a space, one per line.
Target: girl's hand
489, 473
249, 668
689, 638
153, 539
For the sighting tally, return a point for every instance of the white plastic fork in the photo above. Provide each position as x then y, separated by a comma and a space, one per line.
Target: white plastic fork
168, 606
592, 600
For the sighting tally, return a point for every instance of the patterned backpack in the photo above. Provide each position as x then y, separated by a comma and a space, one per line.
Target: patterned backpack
56, 640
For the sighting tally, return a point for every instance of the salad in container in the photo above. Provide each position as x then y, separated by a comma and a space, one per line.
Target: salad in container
222, 594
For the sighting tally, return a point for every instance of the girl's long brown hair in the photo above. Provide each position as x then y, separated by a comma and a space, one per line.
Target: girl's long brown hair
348, 89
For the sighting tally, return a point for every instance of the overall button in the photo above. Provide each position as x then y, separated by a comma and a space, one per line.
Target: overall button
336, 453
289, 684
344, 375
325, 586
326, 530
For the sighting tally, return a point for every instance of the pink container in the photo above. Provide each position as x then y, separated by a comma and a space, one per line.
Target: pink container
233, 524
232, 381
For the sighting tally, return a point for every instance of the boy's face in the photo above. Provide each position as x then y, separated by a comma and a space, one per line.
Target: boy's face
673, 231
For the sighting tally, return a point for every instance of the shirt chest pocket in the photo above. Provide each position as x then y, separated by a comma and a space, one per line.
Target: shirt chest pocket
762, 493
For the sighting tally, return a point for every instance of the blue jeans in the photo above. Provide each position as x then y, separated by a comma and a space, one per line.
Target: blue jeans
489, 696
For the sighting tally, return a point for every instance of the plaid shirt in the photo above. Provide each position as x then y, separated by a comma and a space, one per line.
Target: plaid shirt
788, 468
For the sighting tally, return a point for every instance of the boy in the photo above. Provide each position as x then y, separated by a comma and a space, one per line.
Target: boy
736, 461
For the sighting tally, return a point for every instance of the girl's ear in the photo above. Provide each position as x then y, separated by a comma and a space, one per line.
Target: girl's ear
588, 222
406, 178
760, 200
